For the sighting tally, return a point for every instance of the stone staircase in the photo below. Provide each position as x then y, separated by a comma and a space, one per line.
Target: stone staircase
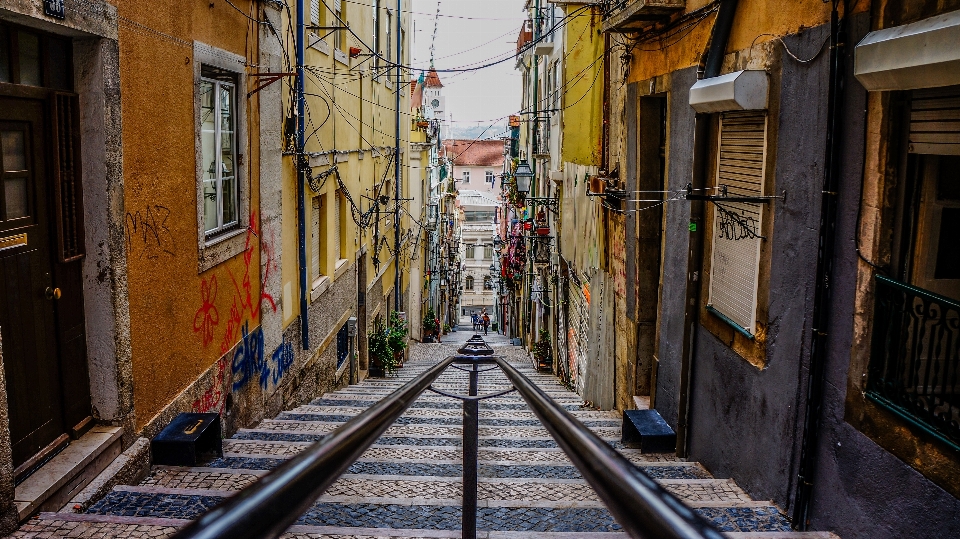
409, 483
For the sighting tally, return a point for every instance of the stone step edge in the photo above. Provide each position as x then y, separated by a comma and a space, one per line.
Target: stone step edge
431, 534
418, 436
625, 451
650, 464
439, 502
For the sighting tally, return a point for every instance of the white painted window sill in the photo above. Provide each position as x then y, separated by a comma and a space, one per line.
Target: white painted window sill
341, 267
318, 44
319, 287
223, 236
341, 57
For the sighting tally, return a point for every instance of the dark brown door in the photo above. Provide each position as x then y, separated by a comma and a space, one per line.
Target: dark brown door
28, 294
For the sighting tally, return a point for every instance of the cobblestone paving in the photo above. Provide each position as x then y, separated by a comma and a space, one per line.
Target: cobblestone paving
411, 477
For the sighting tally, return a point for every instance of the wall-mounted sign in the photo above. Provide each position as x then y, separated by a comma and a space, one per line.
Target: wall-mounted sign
54, 8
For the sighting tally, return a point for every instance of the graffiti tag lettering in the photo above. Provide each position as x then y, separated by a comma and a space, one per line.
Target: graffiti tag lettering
147, 233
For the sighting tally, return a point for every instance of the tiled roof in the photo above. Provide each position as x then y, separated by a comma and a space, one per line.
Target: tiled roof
432, 80
480, 153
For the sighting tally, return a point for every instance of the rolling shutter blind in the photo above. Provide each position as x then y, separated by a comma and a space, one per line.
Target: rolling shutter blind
736, 225
935, 121
336, 220
315, 238
315, 11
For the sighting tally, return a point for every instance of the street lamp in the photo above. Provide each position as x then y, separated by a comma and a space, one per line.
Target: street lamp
523, 174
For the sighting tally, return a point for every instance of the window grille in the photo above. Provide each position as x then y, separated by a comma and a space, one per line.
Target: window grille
737, 225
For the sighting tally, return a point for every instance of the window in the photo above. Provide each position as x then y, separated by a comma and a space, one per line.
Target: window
471, 252
318, 237
376, 33
469, 283
489, 177
389, 43
35, 59
488, 283
340, 36
315, 12
218, 128
466, 176
479, 216
734, 268
342, 225
487, 252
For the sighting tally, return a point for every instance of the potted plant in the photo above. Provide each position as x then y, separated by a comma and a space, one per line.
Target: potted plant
429, 325
541, 351
397, 337
446, 329
381, 354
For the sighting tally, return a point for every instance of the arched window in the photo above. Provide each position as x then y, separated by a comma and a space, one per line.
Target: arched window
469, 283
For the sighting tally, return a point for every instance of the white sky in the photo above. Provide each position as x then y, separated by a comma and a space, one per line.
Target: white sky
472, 32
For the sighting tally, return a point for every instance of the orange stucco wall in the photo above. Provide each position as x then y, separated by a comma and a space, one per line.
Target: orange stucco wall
756, 21
181, 321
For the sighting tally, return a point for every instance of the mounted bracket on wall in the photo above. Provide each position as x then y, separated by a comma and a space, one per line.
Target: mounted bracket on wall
723, 197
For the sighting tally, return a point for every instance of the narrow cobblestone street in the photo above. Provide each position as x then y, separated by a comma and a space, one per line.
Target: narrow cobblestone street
409, 483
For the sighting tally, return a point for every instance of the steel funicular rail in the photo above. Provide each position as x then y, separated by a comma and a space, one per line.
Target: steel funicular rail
274, 503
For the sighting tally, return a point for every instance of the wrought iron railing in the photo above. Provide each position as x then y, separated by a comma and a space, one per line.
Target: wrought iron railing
541, 137
915, 359
272, 504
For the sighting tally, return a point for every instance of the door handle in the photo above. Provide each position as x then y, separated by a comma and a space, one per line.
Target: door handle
52, 293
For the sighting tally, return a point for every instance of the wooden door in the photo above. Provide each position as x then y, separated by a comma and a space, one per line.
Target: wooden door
27, 298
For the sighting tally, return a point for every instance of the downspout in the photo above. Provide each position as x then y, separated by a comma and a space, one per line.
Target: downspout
302, 163
710, 64
396, 169
822, 291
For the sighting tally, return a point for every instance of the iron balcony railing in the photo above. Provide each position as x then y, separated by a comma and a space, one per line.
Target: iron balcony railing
272, 504
915, 358
541, 137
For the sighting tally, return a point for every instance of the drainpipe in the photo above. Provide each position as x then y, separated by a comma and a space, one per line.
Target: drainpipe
396, 169
822, 290
301, 181
710, 64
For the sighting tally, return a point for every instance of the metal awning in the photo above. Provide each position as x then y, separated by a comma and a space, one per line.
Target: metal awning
741, 90
923, 54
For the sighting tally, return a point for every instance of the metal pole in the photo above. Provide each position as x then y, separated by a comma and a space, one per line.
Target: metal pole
301, 180
396, 169
471, 428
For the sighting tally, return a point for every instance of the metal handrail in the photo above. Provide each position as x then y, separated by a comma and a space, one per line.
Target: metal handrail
639, 504
272, 504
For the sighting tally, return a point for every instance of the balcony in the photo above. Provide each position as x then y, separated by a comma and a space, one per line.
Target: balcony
915, 359
633, 15
541, 138
525, 37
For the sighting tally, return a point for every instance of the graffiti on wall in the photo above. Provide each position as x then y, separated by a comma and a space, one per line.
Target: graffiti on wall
249, 361
246, 301
244, 293
147, 233
212, 398
207, 316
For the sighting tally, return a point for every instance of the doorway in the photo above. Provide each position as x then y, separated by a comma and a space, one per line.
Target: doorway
41, 304
362, 311
651, 178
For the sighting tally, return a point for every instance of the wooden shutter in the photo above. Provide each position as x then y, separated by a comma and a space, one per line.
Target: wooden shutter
935, 121
68, 194
315, 235
737, 225
336, 220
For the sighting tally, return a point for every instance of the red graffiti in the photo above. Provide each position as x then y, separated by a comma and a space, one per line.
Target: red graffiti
243, 302
212, 398
207, 316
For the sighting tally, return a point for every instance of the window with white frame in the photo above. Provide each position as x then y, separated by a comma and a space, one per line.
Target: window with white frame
218, 150
735, 261
488, 252
315, 12
318, 237
471, 252
466, 176
489, 177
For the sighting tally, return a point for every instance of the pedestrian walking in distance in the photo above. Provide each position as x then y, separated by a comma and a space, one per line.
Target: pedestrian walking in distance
486, 322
